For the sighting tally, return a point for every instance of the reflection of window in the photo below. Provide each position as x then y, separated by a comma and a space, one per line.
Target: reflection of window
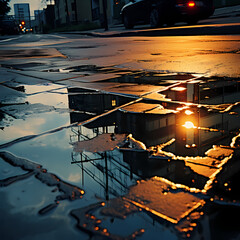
114, 103
219, 126
153, 125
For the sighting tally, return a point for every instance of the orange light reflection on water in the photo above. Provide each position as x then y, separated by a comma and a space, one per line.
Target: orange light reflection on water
189, 125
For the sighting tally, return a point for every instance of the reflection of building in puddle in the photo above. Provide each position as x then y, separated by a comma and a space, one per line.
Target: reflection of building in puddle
107, 169
150, 128
153, 124
92, 101
114, 171
208, 91
210, 123
158, 197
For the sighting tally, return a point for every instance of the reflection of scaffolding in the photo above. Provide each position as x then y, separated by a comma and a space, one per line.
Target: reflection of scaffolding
109, 171
78, 135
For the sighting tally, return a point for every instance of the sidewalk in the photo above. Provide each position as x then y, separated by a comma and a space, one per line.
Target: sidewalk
227, 12
144, 30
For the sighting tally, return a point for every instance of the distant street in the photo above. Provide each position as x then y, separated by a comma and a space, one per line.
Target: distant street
215, 55
121, 134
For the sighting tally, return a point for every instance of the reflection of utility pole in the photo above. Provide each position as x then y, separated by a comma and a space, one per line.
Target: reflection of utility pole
223, 100
105, 15
106, 172
82, 170
67, 12
199, 116
76, 13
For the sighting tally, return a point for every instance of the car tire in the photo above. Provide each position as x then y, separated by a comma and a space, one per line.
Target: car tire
155, 18
192, 21
128, 23
170, 23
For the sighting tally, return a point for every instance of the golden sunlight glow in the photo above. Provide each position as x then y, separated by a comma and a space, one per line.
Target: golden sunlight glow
188, 112
189, 125
178, 89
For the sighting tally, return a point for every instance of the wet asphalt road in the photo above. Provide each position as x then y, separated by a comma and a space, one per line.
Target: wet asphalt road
119, 138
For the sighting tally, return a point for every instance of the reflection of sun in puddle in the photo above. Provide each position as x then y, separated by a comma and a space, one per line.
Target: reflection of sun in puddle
189, 125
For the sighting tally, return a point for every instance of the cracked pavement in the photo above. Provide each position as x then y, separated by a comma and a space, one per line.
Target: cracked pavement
133, 133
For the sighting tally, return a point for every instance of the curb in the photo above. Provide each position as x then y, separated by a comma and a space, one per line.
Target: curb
176, 31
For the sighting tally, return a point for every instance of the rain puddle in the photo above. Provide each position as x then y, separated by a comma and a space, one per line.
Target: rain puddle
160, 164
36, 110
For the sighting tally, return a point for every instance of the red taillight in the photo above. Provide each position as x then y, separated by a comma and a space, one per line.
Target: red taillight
191, 4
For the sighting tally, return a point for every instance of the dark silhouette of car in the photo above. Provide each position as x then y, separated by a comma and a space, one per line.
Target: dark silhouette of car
160, 12
9, 27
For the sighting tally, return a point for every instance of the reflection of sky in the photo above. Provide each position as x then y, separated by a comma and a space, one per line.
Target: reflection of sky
47, 98
34, 125
7, 170
54, 152
33, 89
151, 230
28, 224
23, 199
35, 119
33, 4
19, 195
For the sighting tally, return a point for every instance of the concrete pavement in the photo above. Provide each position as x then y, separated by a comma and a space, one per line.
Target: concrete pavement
227, 11
58, 91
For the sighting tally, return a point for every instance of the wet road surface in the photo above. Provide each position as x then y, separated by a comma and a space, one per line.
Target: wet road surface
119, 139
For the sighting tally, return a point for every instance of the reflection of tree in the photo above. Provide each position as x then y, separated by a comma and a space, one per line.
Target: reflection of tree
4, 8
